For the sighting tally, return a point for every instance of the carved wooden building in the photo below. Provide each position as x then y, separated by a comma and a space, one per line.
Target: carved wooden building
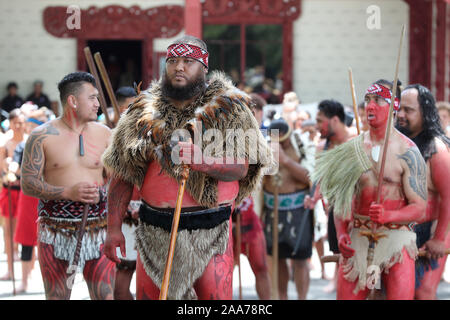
307, 45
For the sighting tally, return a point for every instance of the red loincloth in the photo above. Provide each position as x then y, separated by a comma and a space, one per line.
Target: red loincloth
4, 202
27, 215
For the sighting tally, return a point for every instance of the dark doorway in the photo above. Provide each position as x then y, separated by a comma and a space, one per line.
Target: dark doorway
251, 54
122, 59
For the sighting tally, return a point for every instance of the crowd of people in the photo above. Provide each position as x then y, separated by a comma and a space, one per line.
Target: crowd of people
314, 182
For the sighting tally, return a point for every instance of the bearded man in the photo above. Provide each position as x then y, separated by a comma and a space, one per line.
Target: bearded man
148, 153
418, 118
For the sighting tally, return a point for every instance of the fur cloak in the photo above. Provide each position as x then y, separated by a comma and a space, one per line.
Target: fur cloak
144, 133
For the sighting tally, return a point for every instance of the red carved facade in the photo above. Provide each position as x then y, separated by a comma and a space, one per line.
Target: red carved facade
421, 33
250, 11
134, 23
259, 12
117, 22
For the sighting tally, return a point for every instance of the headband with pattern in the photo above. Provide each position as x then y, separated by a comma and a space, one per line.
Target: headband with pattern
383, 92
188, 50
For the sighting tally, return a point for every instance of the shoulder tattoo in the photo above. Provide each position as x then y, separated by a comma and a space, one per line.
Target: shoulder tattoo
418, 171
33, 160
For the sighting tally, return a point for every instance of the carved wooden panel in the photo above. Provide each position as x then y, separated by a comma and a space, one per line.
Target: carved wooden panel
251, 11
117, 22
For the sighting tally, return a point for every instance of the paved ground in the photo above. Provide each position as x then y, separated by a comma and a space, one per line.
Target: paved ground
80, 292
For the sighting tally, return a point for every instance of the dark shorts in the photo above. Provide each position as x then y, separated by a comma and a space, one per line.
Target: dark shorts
332, 236
423, 233
26, 253
295, 235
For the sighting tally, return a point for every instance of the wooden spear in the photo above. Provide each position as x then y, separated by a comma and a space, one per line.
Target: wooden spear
108, 86
11, 239
76, 257
355, 107
238, 241
335, 257
173, 234
93, 70
275, 293
372, 235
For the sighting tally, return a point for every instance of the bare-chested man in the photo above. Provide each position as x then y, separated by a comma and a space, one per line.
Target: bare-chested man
11, 186
418, 118
62, 167
253, 242
348, 177
295, 237
330, 122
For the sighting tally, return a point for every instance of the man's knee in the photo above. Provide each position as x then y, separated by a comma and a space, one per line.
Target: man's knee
425, 292
301, 263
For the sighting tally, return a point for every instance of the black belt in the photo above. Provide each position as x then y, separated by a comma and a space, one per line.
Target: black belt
11, 187
203, 219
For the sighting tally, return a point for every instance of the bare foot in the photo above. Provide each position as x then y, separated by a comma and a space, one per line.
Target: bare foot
325, 277
21, 289
330, 288
6, 277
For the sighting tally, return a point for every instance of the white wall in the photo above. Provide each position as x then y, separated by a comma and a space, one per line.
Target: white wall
28, 52
332, 35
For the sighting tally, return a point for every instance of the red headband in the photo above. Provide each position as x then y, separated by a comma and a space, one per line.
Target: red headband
188, 50
383, 92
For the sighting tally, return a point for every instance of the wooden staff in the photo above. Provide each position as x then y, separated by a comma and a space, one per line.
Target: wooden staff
355, 107
11, 239
173, 234
275, 293
336, 257
108, 86
372, 235
238, 240
93, 70
76, 256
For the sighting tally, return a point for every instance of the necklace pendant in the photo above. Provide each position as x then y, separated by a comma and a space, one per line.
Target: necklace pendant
375, 153
81, 144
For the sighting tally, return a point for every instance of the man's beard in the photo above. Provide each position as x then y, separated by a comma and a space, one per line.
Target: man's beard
403, 129
330, 132
190, 90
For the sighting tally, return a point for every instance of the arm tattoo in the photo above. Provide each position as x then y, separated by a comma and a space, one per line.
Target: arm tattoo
119, 196
418, 171
33, 163
223, 171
